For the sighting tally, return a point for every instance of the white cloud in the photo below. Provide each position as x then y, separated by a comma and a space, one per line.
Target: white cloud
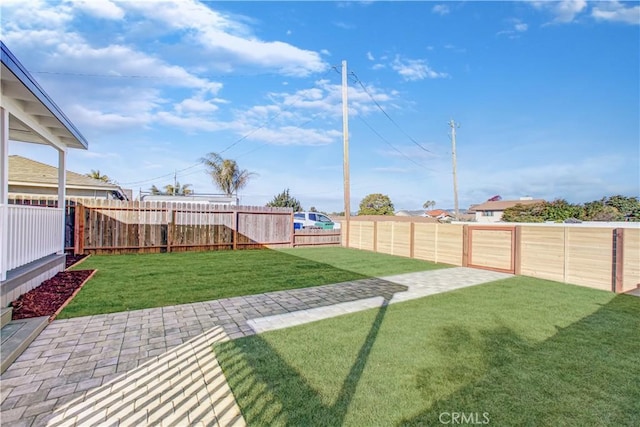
99, 120
517, 26
99, 8
564, 11
370, 56
615, 11
190, 123
196, 105
415, 69
344, 25
221, 35
521, 27
291, 135
93, 154
30, 14
441, 9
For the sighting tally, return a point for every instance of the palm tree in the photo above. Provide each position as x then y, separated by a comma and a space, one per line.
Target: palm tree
172, 190
95, 174
177, 189
429, 204
226, 174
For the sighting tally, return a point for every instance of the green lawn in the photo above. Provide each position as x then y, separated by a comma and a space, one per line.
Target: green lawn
520, 351
130, 282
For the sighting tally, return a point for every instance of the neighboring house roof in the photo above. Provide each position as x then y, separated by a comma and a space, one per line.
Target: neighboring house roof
504, 204
27, 172
438, 213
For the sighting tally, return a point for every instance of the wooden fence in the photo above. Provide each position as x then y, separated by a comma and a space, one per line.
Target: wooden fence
317, 238
107, 226
602, 257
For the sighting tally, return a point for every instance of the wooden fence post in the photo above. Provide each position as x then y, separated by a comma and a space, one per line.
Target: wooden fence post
236, 217
375, 235
465, 245
517, 250
171, 229
78, 230
293, 232
617, 258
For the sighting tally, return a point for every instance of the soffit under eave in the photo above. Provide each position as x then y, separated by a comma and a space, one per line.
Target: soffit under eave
20, 101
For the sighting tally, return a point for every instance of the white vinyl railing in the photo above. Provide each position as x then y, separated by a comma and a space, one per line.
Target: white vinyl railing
32, 232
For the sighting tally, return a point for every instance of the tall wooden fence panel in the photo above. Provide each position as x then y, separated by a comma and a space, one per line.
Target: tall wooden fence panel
492, 248
362, 235
192, 228
426, 242
542, 252
588, 257
257, 226
450, 243
394, 238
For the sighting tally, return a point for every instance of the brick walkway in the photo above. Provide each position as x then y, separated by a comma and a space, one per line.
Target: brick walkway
65, 374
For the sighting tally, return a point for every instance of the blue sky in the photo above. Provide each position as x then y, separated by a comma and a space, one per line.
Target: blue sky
547, 94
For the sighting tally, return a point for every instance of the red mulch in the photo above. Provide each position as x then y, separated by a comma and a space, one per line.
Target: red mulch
47, 298
72, 259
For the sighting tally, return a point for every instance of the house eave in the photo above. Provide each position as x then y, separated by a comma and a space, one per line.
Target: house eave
53, 126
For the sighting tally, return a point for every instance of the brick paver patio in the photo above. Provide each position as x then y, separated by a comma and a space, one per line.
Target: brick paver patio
65, 375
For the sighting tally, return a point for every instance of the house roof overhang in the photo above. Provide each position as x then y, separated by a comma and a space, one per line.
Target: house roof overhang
33, 116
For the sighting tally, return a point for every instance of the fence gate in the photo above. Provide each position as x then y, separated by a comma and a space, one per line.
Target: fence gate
491, 248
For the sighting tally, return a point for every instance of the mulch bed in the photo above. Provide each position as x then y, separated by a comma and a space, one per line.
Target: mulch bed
73, 259
52, 294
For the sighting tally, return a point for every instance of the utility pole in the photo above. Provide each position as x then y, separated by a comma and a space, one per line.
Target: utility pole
345, 141
454, 125
175, 182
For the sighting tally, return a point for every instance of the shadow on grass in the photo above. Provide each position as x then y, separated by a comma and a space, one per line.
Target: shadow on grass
279, 395
585, 374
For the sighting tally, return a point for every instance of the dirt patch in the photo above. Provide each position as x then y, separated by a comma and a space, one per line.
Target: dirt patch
50, 296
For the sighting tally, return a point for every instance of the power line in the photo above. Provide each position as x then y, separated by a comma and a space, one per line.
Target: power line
159, 177
394, 147
264, 144
357, 80
289, 107
242, 138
